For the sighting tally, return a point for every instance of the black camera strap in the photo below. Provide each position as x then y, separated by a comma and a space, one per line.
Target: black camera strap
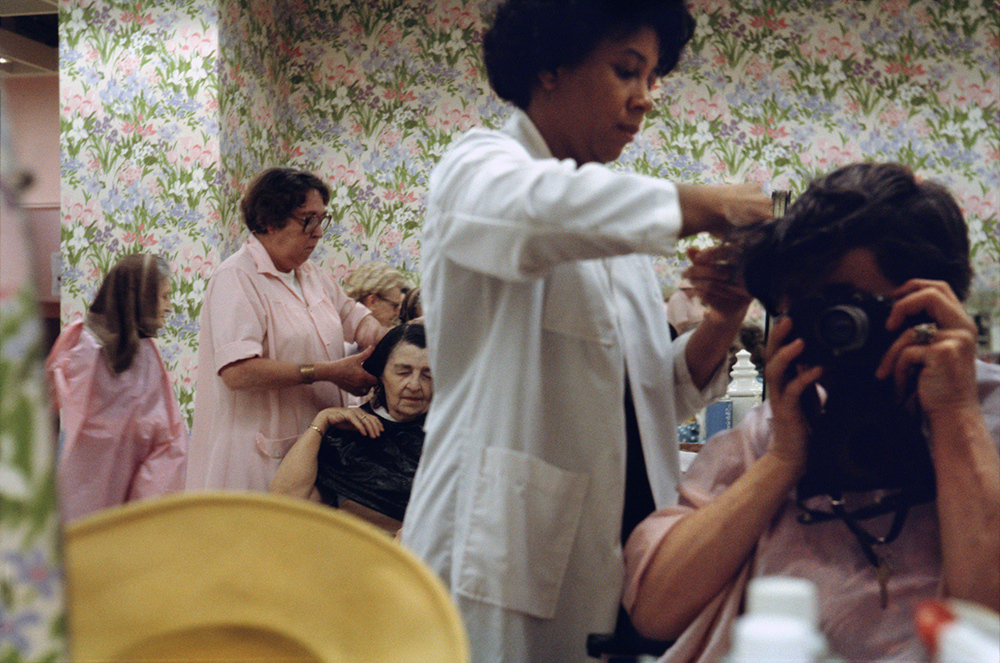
863, 440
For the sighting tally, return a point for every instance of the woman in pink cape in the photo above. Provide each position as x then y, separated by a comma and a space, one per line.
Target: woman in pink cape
124, 437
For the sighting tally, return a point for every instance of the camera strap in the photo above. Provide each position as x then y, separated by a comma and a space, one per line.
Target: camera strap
864, 440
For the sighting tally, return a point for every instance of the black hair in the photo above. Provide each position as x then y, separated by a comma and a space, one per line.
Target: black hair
375, 364
527, 37
275, 194
915, 229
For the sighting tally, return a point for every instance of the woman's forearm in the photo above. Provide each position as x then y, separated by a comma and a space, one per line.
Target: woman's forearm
296, 476
967, 469
706, 549
709, 345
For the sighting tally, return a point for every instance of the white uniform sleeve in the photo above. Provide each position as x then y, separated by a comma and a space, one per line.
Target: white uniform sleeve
496, 209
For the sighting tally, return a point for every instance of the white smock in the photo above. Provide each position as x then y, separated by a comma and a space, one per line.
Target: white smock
539, 298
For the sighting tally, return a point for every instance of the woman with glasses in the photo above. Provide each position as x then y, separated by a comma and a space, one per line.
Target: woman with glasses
273, 328
380, 287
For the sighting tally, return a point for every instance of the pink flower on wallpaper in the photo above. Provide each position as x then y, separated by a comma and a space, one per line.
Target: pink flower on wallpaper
82, 105
345, 174
702, 108
458, 118
189, 42
390, 137
80, 213
139, 127
708, 6
343, 75
195, 264
391, 237
905, 68
893, 115
143, 240
128, 64
768, 21
894, 7
982, 207
390, 36
759, 174
826, 44
400, 193
137, 17
962, 92
824, 155
191, 154
758, 67
130, 174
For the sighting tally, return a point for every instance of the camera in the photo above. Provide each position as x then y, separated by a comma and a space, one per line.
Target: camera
842, 324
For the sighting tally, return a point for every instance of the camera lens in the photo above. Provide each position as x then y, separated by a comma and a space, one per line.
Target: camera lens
842, 328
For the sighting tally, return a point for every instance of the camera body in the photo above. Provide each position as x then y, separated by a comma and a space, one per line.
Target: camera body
842, 325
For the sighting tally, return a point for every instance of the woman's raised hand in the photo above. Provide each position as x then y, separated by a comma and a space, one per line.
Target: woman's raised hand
348, 418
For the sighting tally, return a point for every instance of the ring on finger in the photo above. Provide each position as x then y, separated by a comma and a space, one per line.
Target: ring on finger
924, 333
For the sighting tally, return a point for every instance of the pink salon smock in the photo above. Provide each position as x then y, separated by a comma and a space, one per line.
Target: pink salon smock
125, 437
240, 437
538, 300
850, 615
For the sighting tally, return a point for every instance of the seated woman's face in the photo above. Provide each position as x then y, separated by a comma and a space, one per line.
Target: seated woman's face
407, 382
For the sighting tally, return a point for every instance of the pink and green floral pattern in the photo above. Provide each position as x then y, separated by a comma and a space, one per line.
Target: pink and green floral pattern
169, 109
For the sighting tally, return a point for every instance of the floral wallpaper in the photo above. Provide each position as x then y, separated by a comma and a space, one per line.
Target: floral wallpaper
168, 112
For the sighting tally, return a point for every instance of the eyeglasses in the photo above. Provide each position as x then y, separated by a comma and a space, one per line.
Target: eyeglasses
395, 305
313, 221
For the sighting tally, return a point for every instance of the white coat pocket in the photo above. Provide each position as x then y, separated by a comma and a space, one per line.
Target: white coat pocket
522, 526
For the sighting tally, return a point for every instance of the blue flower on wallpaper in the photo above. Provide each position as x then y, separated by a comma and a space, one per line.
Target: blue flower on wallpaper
348, 121
12, 627
35, 570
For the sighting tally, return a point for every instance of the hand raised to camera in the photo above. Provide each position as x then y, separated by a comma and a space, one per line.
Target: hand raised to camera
944, 353
785, 386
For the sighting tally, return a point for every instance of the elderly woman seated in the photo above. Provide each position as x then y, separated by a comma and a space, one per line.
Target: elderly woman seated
363, 459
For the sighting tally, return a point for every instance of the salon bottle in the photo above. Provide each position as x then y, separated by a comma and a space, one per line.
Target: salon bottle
744, 389
780, 624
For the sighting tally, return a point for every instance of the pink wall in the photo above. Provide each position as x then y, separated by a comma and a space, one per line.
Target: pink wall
33, 104
33, 111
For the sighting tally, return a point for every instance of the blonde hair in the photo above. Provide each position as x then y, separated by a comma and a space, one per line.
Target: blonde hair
373, 278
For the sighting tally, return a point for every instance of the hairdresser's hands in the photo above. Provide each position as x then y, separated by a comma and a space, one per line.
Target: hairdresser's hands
945, 358
348, 374
712, 273
785, 384
716, 208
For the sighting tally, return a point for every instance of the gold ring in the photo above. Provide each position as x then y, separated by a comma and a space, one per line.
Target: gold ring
924, 334
364, 416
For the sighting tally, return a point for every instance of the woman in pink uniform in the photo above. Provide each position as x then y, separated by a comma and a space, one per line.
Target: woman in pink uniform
124, 435
273, 327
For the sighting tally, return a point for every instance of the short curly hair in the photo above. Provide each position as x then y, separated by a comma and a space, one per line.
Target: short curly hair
275, 194
373, 278
915, 229
527, 37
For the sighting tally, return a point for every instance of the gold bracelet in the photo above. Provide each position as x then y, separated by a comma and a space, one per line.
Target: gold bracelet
308, 373
316, 428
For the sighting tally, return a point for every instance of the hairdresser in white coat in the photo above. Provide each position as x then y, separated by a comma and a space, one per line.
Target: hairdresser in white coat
546, 329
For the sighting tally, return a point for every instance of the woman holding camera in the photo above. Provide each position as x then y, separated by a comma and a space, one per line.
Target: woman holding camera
756, 501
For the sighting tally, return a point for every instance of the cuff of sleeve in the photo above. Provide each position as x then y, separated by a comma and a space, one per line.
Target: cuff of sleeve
235, 352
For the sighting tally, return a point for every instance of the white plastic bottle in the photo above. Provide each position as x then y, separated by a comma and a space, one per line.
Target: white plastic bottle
744, 389
780, 624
